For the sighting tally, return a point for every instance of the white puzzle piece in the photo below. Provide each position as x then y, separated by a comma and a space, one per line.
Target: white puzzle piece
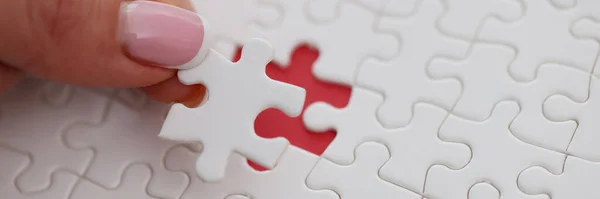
584, 143
132, 185
543, 35
13, 163
404, 80
464, 17
360, 179
325, 11
287, 178
33, 118
486, 81
125, 136
413, 148
237, 93
579, 179
498, 156
335, 64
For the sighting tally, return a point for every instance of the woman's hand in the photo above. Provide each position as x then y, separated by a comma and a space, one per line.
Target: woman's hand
102, 43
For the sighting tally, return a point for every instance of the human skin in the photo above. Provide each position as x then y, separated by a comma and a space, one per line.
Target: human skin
102, 43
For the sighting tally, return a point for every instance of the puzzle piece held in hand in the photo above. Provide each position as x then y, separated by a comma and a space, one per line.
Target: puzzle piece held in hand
237, 93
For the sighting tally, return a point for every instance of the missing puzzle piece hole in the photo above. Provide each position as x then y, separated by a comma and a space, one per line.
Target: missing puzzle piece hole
272, 123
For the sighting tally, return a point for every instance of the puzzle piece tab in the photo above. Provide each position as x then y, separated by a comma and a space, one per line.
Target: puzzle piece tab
498, 156
579, 179
237, 93
413, 148
584, 143
483, 190
360, 179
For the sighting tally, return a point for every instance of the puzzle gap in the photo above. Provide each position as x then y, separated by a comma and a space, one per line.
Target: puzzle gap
273, 123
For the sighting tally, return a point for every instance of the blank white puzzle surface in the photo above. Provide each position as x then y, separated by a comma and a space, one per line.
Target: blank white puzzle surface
450, 99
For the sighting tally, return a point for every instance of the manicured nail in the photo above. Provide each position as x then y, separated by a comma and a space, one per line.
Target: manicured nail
163, 34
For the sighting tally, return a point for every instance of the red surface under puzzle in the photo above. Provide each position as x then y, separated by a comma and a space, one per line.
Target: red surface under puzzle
273, 123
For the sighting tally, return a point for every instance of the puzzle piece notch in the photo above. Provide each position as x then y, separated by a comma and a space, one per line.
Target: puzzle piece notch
557, 44
360, 179
227, 83
562, 108
486, 82
588, 28
132, 185
403, 80
414, 148
126, 135
577, 180
334, 65
483, 190
492, 144
56, 106
288, 177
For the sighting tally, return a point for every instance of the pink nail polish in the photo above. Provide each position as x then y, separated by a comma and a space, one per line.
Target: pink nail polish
163, 34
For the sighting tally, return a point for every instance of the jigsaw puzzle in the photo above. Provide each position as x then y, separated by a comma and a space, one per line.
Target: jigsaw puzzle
334, 99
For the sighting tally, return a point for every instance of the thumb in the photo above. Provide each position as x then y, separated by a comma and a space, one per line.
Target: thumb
108, 43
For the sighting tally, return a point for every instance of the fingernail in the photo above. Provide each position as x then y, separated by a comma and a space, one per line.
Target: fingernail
163, 34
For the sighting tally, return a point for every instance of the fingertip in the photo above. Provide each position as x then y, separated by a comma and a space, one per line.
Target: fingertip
9, 77
171, 90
